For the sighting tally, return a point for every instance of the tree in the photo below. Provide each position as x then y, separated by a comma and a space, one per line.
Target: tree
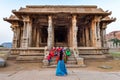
115, 41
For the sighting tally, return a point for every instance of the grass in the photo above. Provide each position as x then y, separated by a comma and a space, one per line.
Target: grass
2, 52
115, 54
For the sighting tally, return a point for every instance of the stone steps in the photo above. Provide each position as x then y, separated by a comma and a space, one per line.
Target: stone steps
71, 60
12, 57
30, 58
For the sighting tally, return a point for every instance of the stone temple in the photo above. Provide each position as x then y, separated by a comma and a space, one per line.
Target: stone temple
37, 28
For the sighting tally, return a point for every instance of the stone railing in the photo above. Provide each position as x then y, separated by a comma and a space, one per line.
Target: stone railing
80, 60
76, 53
46, 52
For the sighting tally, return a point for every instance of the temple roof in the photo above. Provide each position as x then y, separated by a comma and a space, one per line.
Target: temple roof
73, 9
11, 19
54, 9
108, 19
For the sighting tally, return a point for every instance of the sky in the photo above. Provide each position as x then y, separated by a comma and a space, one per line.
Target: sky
6, 7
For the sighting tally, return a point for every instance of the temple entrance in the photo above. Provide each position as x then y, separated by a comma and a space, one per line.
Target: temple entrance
60, 36
44, 36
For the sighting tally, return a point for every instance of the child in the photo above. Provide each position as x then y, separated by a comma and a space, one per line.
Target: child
49, 59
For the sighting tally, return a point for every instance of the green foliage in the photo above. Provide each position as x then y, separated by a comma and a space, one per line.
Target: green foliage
1, 46
115, 54
2, 53
115, 41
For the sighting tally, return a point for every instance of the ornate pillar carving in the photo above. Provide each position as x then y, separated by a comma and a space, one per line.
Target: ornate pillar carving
18, 36
14, 45
34, 33
83, 37
21, 35
87, 36
50, 35
93, 30
104, 35
29, 26
27, 31
16, 32
98, 32
75, 29
38, 38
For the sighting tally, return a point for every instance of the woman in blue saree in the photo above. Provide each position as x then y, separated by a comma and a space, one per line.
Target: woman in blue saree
61, 68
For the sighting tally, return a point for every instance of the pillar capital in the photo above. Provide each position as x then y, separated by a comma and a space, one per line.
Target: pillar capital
49, 16
26, 18
74, 18
97, 18
14, 24
104, 25
74, 15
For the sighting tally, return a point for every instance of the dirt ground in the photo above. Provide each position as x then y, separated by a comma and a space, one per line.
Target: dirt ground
95, 65
91, 65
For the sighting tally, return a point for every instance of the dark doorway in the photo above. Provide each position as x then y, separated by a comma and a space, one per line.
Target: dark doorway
44, 34
60, 35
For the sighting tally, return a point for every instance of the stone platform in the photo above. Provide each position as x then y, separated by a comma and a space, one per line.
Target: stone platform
49, 74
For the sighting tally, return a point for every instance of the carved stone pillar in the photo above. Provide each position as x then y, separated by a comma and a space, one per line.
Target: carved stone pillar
104, 35
93, 30
98, 34
75, 29
50, 35
21, 35
70, 36
83, 37
34, 36
87, 36
27, 31
38, 38
18, 36
29, 26
14, 29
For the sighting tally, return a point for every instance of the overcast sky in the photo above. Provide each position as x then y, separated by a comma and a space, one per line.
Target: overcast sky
6, 6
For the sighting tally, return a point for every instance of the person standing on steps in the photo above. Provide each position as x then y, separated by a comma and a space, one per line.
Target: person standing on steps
61, 69
68, 53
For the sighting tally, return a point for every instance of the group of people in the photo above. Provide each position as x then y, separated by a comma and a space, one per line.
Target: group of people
61, 55
55, 51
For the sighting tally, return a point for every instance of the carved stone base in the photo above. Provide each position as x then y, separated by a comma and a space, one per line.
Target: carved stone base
80, 61
45, 62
